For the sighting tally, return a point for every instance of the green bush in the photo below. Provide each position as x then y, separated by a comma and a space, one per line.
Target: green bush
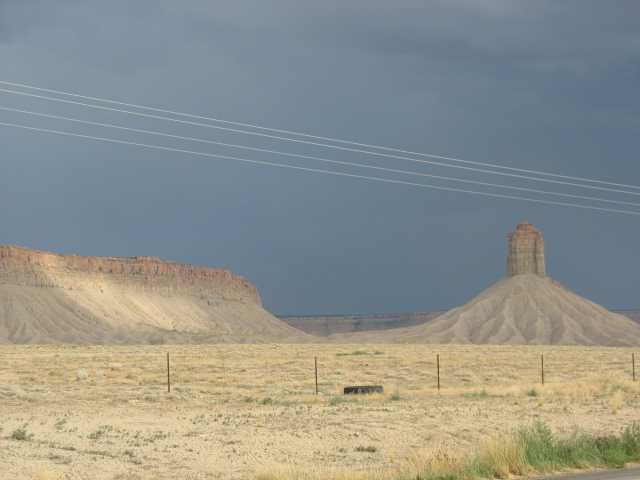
631, 442
370, 449
21, 434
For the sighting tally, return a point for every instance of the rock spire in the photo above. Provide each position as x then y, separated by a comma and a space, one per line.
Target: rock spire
526, 251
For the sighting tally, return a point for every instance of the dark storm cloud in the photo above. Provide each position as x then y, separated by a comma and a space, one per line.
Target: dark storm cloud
539, 85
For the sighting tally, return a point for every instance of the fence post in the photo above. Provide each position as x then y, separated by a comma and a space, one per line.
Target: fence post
224, 369
316, 363
542, 366
438, 369
168, 375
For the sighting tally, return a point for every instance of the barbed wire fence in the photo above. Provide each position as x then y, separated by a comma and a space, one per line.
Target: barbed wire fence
283, 374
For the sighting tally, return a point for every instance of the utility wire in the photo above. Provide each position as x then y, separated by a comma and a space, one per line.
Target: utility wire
273, 164
320, 138
315, 158
322, 145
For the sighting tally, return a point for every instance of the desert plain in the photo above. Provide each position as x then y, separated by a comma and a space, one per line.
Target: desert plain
235, 411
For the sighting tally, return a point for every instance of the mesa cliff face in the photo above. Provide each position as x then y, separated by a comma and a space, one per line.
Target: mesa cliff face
50, 298
22, 266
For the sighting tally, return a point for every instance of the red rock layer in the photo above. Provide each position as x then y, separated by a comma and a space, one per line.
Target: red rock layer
526, 251
23, 266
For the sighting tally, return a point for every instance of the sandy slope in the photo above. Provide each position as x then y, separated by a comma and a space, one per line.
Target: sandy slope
32, 315
522, 309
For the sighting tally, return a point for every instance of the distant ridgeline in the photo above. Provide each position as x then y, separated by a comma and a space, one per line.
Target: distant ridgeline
330, 324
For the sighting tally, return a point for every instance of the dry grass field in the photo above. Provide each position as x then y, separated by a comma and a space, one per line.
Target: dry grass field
234, 411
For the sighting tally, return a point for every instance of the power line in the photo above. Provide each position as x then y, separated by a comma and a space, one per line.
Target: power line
318, 170
352, 164
323, 145
319, 137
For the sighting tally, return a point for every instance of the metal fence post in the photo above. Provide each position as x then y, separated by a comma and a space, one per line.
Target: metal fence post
168, 375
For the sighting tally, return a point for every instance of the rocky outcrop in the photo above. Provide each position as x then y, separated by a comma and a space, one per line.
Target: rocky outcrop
51, 298
526, 251
524, 308
520, 310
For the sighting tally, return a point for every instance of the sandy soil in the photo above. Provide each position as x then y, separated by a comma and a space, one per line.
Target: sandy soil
79, 424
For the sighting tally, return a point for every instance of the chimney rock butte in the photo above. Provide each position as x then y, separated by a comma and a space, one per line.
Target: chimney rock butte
525, 307
526, 251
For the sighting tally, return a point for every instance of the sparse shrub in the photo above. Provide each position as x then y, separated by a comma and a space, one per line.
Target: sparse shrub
355, 352
81, 375
267, 401
102, 453
616, 402
21, 434
338, 400
481, 394
533, 393
370, 449
100, 432
60, 423
395, 397
249, 399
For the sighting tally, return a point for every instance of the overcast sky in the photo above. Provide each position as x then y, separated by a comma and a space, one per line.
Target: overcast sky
538, 85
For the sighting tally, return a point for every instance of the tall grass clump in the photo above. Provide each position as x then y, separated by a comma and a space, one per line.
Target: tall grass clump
546, 452
285, 472
498, 457
531, 450
435, 464
616, 402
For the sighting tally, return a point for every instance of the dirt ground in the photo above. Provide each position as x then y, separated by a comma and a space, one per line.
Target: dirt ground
103, 413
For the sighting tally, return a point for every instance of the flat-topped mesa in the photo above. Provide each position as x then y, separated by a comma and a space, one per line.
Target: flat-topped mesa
526, 251
22, 266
